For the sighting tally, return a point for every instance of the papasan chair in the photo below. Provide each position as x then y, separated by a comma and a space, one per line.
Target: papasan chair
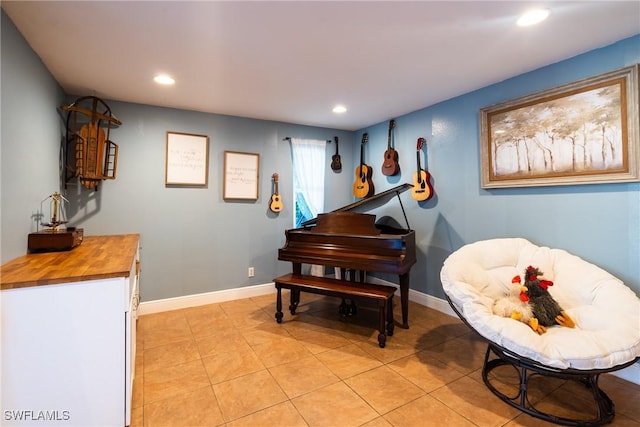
606, 314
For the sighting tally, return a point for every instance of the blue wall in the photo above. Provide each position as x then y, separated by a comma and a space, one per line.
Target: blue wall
29, 138
193, 241
600, 223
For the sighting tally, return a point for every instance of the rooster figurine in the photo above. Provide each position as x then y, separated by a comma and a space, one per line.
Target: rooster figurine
515, 304
544, 307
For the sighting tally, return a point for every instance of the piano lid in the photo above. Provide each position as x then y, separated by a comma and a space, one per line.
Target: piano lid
370, 203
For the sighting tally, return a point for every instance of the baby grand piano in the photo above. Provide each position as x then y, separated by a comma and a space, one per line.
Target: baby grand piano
351, 240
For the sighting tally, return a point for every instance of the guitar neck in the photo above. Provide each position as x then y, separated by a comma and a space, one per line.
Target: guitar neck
392, 124
365, 138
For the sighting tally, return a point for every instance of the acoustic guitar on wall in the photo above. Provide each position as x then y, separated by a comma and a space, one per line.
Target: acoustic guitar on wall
422, 189
390, 166
336, 163
276, 201
363, 185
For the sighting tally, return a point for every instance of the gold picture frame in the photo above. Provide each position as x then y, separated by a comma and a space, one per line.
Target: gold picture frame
241, 176
583, 132
187, 159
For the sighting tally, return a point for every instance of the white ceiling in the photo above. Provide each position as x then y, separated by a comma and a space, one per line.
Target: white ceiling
292, 61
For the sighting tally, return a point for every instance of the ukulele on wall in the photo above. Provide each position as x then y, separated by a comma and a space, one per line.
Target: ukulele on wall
276, 202
422, 189
390, 166
336, 164
363, 186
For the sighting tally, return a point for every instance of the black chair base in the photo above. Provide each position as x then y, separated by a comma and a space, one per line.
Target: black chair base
604, 406
527, 368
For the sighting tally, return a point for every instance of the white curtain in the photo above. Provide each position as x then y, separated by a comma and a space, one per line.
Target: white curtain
309, 166
309, 159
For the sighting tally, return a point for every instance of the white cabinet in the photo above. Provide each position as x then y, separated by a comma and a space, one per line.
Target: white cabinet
130, 328
68, 351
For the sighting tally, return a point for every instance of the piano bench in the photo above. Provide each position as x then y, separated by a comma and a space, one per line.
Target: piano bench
381, 294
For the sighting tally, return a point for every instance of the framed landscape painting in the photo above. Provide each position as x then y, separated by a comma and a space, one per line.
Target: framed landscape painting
580, 133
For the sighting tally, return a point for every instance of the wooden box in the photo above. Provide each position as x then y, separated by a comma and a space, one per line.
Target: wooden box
54, 241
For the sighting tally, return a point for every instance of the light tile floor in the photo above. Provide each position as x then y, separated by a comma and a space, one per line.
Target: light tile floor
230, 364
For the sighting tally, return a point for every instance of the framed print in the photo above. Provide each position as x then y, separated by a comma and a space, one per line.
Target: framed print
579, 133
187, 159
241, 172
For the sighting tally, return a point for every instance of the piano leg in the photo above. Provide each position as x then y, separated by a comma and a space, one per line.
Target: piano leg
390, 322
382, 338
347, 309
360, 274
279, 314
404, 299
343, 308
295, 300
353, 309
295, 293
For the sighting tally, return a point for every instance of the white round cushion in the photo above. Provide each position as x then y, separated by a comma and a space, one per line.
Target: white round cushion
606, 312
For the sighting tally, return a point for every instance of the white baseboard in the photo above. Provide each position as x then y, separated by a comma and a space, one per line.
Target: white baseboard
176, 303
631, 373
432, 302
420, 298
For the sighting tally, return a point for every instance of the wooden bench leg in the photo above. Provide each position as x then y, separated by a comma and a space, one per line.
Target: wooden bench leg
349, 293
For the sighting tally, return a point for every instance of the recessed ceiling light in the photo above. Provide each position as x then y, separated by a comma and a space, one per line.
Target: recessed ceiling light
339, 109
533, 17
164, 79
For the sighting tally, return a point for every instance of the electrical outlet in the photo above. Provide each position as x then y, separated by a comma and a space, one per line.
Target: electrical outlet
251, 272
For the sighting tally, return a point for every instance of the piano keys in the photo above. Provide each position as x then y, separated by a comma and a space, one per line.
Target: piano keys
349, 239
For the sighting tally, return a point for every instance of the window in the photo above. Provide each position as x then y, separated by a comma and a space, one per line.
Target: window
308, 158
303, 213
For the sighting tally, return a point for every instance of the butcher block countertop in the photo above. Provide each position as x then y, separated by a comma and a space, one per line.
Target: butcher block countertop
97, 257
